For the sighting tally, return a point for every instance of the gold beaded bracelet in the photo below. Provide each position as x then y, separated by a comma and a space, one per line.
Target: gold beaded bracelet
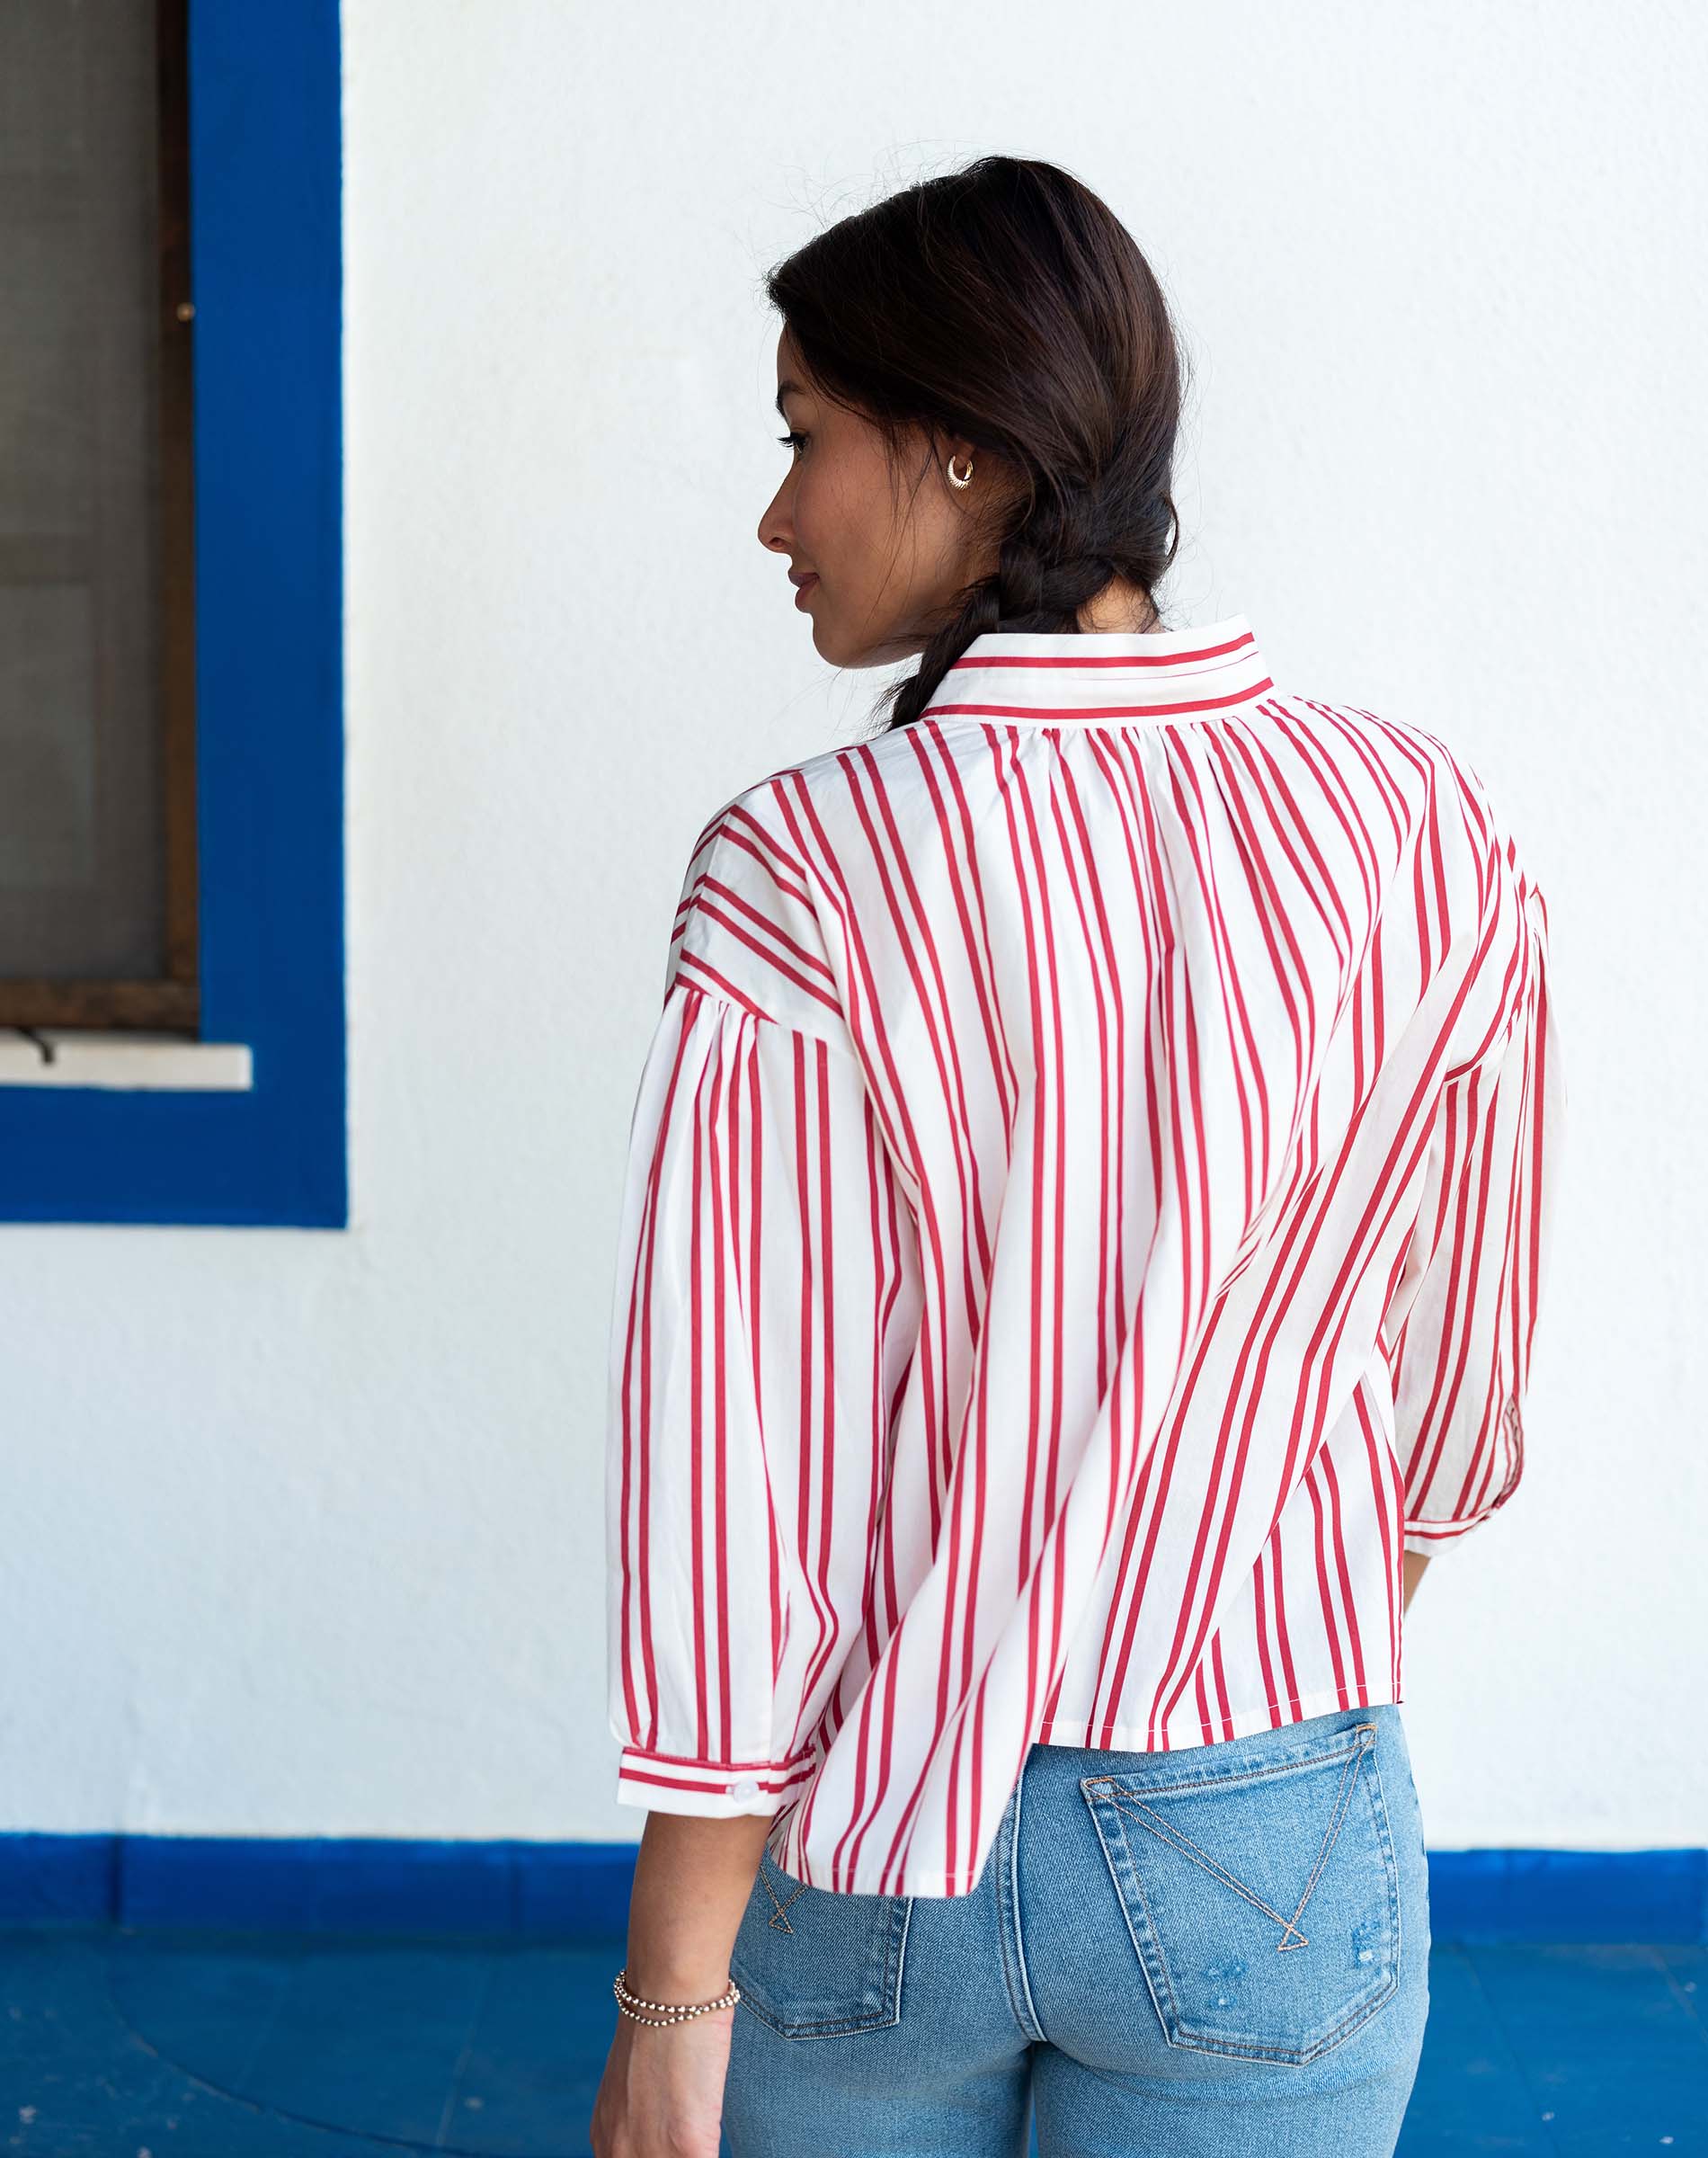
674, 2011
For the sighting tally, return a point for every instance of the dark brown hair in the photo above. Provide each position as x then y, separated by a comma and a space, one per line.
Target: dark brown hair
1006, 303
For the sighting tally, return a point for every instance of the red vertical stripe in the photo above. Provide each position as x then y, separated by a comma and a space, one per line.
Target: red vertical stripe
1087, 1211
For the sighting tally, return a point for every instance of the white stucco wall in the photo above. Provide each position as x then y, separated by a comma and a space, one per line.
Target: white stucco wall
304, 1530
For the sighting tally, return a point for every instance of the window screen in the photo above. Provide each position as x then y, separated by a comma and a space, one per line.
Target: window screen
87, 235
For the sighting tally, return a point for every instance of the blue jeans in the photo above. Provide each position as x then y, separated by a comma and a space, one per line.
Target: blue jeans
1216, 1950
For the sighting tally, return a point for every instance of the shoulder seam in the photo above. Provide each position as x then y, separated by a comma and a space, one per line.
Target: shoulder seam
732, 1000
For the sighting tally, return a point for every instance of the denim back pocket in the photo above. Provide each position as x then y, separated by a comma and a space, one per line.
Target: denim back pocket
814, 1963
1262, 1897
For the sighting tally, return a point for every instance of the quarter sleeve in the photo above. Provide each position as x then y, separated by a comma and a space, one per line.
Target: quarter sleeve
1461, 1323
765, 1310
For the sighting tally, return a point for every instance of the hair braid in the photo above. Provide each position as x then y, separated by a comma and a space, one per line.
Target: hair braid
1048, 568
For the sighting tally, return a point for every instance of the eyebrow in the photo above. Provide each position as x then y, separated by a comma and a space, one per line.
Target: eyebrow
786, 389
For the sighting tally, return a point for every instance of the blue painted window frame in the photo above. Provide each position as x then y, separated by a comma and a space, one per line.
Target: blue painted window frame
266, 266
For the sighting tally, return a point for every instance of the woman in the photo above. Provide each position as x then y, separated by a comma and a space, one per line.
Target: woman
1080, 1257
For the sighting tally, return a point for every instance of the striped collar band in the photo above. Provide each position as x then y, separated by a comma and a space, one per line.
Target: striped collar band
1104, 674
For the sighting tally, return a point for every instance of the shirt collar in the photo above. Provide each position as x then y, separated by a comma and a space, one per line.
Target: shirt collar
1104, 674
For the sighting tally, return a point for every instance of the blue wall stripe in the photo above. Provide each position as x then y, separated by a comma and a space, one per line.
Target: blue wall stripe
378, 1885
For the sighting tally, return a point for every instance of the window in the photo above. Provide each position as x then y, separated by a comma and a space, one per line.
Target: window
172, 1016
97, 775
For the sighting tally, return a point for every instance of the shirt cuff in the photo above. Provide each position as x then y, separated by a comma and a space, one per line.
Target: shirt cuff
1427, 1537
672, 1783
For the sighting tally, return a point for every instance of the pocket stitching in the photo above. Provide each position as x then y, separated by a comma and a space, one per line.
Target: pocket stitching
885, 2016
779, 1920
1181, 1842
1096, 1792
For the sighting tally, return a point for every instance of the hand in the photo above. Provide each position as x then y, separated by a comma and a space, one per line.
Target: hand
662, 2094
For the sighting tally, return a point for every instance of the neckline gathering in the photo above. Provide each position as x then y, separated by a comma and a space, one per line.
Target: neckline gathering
1113, 676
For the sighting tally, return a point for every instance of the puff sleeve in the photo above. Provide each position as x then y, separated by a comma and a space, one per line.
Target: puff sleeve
1461, 1320
765, 1309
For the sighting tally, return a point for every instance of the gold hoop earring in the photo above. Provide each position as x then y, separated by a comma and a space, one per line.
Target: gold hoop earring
956, 480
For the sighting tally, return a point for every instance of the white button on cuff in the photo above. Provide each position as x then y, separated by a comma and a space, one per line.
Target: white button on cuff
746, 1788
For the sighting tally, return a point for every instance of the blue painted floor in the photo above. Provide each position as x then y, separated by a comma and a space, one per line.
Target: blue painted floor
156, 2043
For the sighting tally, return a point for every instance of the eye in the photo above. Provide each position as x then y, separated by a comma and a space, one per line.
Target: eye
793, 440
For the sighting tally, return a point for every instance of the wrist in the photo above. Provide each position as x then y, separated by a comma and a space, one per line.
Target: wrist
677, 1985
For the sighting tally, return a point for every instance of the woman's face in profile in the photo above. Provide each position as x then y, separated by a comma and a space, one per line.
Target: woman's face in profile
884, 558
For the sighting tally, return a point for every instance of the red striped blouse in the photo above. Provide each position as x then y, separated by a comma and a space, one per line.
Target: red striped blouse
1085, 1213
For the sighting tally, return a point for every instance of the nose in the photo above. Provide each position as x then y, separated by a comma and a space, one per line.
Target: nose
775, 529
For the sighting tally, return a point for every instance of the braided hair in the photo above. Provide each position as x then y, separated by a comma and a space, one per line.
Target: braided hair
1005, 304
